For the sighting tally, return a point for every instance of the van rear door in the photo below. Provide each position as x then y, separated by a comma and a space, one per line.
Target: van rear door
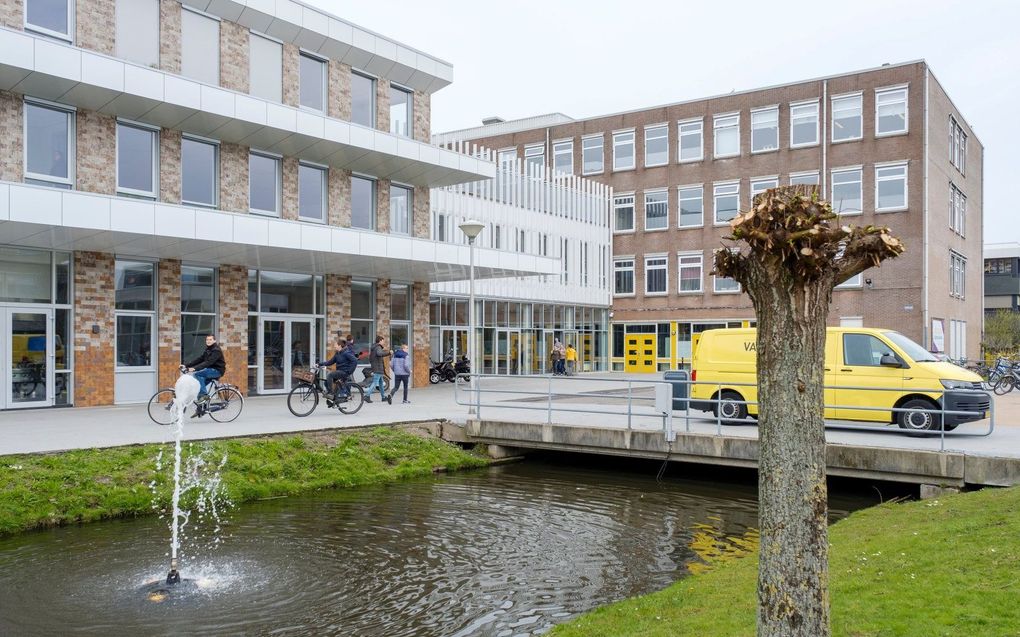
859, 373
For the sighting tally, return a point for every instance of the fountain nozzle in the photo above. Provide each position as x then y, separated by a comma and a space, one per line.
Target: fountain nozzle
173, 577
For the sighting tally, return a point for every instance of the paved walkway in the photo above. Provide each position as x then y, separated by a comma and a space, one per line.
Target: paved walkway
29, 431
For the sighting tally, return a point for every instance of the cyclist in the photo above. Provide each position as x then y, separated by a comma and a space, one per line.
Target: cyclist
209, 366
346, 363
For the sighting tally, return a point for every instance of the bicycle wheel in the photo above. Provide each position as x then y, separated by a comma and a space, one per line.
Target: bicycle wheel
302, 400
225, 404
1004, 386
356, 400
161, 407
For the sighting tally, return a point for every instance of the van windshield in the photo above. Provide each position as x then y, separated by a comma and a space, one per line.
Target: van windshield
917, 353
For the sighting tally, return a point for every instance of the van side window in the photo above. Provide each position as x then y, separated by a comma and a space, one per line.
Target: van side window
864, 350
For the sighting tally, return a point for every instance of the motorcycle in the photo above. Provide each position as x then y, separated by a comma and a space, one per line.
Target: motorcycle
463, 366
443, 370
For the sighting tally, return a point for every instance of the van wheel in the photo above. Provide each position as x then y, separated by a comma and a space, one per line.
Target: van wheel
917, 417
730, 408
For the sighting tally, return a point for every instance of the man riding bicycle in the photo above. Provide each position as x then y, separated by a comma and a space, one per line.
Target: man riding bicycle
346, 362
209, 366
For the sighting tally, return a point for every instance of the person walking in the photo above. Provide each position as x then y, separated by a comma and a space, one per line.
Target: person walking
377, 360
401, 372
557, 357
571, 360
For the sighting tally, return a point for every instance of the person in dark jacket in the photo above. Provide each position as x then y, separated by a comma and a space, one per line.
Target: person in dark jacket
377, 359
208, 366
345, 363
401, 372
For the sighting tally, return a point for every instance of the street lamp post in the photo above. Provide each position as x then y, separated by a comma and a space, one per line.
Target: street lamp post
471, 230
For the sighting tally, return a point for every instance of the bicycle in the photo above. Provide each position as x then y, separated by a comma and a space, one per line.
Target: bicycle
1010, 380
990, 376
304, 397
224, 405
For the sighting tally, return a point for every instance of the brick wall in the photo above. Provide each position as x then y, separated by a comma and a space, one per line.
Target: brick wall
170, 35
339, 90
170, 166
338, 306
12, 14
11, 143
420, 336
421, 217
233, 323
233, 178
290, 188
291, 75
93, 328
339, 197
382, 315
234, 57
96, 153
95, 22
422, 116
382, 205
168, 336
382, 104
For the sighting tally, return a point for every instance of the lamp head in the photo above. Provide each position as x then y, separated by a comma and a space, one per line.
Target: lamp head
472, 229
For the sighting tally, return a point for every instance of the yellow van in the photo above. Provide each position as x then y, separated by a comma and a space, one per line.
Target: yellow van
856, 358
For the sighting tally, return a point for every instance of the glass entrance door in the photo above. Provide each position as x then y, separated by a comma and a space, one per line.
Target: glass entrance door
27, 336
513, 352
284, 345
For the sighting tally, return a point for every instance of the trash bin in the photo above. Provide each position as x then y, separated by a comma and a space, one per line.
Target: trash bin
678, 379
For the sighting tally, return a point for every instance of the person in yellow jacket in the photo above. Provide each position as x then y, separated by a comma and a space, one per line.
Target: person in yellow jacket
571, 360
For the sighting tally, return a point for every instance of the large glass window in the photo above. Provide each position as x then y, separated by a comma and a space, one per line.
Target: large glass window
656, 145
401, 112
759, 186
592, 155
563, 157
199, 167
534, 158
134, 304
690, 271
765, 130
803, 124
657, 210
727, 201
198, 309
691, 207
138, 31
958, 213
891, 187
265, 68
52, 17
400, 209
136, 160
200, 47
957, 275
400, 302
287, 293
656, 275
134, 285
311, 192
805, 178
890, 111
263, 183
623, 270
724, 285
25, 276
727, 135
362, 203
362, 100
957, 145
846, 118
49, 145
846, 191
362, 315
313, 83
623, 150
691, 144
623, 213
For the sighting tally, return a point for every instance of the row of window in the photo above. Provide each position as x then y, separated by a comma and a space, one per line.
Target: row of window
999, 266
49, 160
846, 196
847, 125
957, 210
137, 39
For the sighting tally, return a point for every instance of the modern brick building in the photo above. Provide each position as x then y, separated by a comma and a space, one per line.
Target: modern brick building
260, 170
886, 145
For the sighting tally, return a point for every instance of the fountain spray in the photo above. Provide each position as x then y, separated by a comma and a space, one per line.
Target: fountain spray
185, 392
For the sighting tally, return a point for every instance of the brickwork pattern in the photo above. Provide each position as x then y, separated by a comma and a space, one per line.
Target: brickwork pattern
382, 104
12, 14
170, 166
338, 306
291, 75
170, 36
168, 336
422, 116
339, 97
11, 143
233, 178
96, 153
93, 328
94, 21
234, 57
421, 218
290, 188
339, 198
382, 205
420, 335
233, 323
383, 299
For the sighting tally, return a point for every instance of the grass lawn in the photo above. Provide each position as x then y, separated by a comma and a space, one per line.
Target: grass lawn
945, 567
42, 490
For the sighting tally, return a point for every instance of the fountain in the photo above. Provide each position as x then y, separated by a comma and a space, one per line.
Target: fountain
185, 392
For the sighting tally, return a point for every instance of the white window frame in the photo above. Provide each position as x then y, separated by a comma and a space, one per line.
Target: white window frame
854, 282
530, 154
279, 183
804, 106
216, 171
154, 131
410, 208
723, 121
715, 280
664, 267
70, 153
633, 212
409, 92
772, 181
325, 81
679, 199
325, 191
66, 37
765, 110
957, 210
558, 150
690, 264
660, 131
602, 153
832, 188
906, 184
890, 90
860, 115
631, 268
644, 201
617, 142
253, 68
715, 199
957, 275
373, 97
680, 134
806, 173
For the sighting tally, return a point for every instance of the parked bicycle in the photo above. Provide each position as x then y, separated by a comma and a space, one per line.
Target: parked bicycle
224, 404
991, 375
1010, 379
304, 397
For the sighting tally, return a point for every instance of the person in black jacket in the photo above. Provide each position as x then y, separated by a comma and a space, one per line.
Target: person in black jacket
345, 363
208, 366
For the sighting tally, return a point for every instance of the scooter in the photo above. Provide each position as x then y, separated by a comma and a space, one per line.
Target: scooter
441, 371
463, 366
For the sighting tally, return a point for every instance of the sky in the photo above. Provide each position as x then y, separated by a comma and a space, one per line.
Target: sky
587, 58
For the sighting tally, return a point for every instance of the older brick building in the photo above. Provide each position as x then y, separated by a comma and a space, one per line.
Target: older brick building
168, 170
886, 145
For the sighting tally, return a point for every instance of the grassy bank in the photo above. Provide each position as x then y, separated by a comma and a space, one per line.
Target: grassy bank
949, 566
43, 490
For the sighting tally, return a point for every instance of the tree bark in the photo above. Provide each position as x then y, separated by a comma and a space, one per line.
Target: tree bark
793, 581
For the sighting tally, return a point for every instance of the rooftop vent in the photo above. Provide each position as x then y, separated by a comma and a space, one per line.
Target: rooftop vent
492, 120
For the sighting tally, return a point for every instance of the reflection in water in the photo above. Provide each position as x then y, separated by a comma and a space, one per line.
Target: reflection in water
506, 551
